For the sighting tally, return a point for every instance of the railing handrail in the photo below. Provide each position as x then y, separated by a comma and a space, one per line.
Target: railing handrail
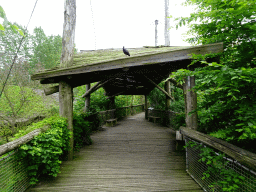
7, 147
243, 156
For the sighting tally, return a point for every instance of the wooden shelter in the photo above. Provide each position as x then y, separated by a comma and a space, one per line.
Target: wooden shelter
122, 75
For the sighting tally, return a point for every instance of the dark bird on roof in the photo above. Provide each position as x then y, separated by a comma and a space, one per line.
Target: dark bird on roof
126, 52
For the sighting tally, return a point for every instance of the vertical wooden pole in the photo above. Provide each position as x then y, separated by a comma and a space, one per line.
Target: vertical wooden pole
168, 102
167, 23
131, 106
168, 90
190, 102
66, 60
66, 109
156, 23
112, 105
146, 107
87, 98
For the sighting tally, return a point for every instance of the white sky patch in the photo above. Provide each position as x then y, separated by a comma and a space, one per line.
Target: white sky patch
115, 23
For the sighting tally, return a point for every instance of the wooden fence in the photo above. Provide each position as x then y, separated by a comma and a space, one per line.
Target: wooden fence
119, 113
166, 116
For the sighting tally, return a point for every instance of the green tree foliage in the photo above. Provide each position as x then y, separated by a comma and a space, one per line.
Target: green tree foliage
46, 50
9, 43
18, 103
6, 23
227, 90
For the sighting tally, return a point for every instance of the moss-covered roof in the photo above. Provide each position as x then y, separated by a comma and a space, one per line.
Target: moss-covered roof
90, 66
90, 57
123, 74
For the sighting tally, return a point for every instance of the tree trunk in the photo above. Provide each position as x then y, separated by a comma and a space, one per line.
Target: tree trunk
66, 109
66, 60
68, 38
190, 102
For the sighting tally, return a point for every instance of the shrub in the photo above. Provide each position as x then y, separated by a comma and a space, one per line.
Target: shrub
82, 130
44, 152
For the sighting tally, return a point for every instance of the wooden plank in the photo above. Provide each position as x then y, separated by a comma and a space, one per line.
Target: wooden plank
144, 60
133, 156
242, 156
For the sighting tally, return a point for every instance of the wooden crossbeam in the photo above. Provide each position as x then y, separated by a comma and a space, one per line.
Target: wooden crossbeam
92, 89
51, 90
160, 88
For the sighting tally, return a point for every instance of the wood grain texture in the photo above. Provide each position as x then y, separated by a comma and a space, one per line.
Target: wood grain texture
135, 155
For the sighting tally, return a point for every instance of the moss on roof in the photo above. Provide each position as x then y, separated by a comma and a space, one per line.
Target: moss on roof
102, 55
89, 57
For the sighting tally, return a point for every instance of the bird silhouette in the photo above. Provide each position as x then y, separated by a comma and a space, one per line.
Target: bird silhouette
126, 52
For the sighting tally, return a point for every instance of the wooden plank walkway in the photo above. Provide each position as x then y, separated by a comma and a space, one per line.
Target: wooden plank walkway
135, 155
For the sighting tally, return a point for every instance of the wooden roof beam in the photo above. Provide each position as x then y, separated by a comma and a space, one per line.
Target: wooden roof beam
160, 88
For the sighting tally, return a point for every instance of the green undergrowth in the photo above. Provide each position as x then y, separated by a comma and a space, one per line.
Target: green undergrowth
224, 178
45, 151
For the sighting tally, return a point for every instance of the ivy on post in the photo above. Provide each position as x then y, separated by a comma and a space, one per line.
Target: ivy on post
190, 102
65, 88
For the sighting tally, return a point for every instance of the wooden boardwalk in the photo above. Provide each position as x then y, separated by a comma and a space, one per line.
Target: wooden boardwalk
135, 155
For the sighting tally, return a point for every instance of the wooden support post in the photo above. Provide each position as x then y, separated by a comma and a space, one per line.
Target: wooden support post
87, 98
66, 109
112, 105
146, 107
190, 102
131, 106
168, 90
167, 103
66, 60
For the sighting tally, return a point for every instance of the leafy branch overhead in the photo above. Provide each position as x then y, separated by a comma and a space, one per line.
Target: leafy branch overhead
6, 23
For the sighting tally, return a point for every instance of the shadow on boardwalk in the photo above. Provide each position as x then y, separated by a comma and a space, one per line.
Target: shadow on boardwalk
136, 155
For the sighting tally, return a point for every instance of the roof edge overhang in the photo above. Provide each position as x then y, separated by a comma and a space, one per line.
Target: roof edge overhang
142, 60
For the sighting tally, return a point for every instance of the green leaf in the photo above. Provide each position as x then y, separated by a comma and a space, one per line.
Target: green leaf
2, 28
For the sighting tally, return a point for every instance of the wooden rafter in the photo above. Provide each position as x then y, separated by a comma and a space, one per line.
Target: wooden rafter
160, 88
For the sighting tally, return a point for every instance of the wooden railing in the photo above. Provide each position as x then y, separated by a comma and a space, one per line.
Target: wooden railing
238, 160
166, 116
120, 112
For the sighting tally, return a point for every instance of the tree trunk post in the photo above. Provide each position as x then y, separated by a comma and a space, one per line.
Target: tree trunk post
87, 99
168, 90
190, 102
146, 107
156, 42
167, 23
66, 60
112, 105
168, 102
66, 109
